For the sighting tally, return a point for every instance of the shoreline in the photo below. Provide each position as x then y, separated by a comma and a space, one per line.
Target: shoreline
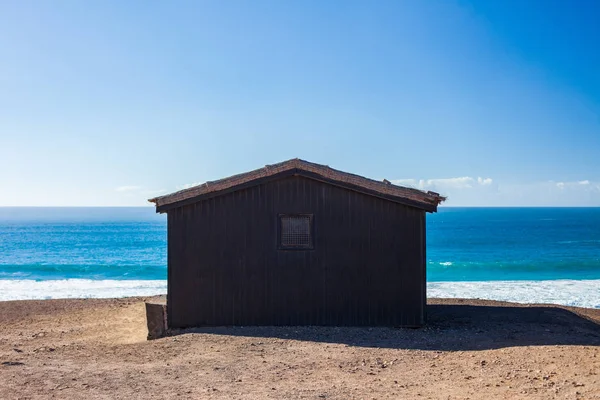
576, 293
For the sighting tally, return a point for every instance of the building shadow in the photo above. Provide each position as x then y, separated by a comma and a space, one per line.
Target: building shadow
448, 328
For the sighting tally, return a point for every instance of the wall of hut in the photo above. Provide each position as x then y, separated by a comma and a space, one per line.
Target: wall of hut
367, 265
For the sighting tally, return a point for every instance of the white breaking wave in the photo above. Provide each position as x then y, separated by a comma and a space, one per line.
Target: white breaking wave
584, 293
579, 293
27, 289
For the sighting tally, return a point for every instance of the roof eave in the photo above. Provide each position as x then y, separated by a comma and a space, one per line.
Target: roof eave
423, 205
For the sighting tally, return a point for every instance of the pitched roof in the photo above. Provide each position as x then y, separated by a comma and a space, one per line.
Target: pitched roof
427, 201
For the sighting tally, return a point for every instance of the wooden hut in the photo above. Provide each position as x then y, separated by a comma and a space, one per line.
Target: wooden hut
296, 243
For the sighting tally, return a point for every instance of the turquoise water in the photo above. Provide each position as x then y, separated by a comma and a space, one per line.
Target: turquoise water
463, 244
83, 243
486, 244
537, 255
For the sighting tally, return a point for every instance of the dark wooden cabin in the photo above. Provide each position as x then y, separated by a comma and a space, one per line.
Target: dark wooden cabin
296, 243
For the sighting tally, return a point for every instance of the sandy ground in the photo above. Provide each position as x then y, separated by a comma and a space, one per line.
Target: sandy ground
96, 349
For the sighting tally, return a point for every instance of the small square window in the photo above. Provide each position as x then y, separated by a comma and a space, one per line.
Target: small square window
296, 231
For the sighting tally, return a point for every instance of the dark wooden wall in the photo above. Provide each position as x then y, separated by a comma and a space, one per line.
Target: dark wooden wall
367, 266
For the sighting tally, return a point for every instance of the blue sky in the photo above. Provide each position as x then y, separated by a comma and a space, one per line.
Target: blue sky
112, 102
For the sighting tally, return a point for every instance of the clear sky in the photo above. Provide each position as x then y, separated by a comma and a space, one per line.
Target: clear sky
113, 102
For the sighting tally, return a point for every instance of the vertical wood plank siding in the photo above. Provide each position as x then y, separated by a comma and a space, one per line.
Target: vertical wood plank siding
367, 266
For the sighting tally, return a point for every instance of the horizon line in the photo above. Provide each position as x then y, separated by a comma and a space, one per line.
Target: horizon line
441, 206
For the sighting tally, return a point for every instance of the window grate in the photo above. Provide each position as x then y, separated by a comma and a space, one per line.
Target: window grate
296, 231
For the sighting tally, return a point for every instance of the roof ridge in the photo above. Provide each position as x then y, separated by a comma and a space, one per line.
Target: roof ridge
421, 199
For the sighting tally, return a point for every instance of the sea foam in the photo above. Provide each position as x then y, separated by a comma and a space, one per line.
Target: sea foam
580, 293
26, 289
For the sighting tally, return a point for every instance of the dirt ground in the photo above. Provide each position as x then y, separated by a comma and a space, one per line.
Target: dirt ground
97, 349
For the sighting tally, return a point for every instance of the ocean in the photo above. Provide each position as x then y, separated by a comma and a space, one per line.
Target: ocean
542, 255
